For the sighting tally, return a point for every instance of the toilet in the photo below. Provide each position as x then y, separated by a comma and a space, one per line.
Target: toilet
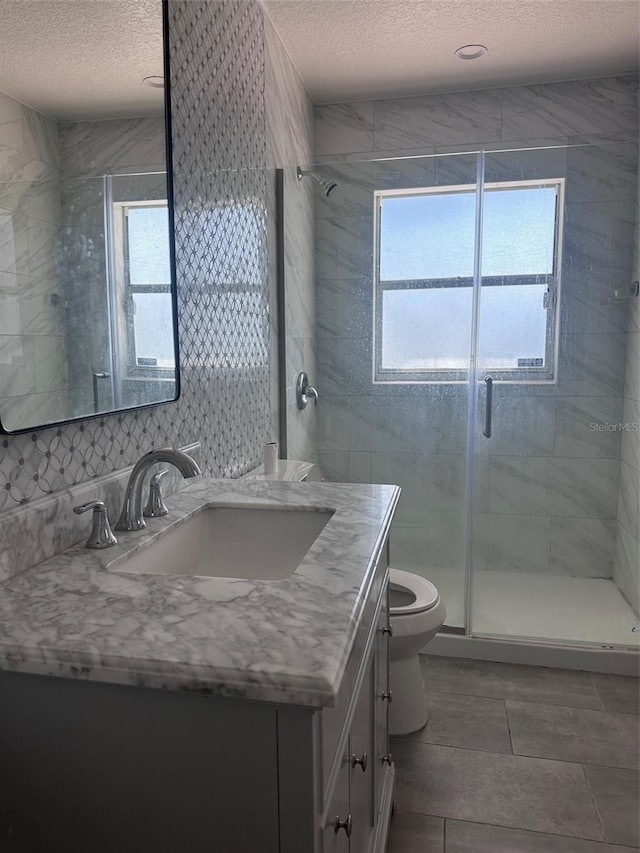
417, 613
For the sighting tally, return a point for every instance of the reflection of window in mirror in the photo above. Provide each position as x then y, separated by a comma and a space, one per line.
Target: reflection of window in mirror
148, 283
143, 255
140, 275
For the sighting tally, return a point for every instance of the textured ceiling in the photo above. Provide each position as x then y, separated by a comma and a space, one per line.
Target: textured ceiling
75, 59
81, 59
357, 49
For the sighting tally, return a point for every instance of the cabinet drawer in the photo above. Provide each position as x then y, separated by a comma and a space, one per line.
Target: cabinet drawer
334, 720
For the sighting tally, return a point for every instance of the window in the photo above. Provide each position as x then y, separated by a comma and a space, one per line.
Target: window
425, 245
142, 243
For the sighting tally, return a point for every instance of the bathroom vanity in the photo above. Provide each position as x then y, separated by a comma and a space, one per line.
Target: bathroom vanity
151, 711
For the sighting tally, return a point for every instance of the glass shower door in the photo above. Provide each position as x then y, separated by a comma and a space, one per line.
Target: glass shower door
556, 244
469, 328
423, 310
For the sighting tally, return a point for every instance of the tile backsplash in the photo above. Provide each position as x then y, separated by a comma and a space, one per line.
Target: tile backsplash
41, 529
220, 184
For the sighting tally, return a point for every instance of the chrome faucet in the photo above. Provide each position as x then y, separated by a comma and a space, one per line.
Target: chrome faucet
131, 515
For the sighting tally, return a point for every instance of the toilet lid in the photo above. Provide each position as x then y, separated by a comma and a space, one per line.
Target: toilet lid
409, 593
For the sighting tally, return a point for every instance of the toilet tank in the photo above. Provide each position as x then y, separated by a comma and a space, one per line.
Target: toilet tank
289, 469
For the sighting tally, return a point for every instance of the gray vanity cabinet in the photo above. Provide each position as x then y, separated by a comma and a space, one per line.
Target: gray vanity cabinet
116, 769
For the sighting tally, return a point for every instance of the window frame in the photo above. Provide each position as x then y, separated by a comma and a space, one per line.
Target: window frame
538, 375
126, 290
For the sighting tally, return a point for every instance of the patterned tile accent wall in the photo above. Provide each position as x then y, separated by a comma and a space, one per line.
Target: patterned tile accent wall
219, 143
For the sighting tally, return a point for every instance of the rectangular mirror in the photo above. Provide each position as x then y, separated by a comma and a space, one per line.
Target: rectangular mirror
87, 275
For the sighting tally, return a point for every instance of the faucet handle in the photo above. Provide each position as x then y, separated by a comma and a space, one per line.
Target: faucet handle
304, 391
311, 392
101, 533
155, 505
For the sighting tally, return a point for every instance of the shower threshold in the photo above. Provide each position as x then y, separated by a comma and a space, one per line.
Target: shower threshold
542, 608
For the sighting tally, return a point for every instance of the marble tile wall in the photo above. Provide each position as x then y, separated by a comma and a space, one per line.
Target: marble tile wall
290, 141
518, 114
626, 567
32, 318
547, 483
219, 145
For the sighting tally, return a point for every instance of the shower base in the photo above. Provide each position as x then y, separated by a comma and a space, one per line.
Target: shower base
541, 607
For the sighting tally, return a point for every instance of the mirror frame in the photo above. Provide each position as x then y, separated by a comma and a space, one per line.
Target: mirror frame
166, 64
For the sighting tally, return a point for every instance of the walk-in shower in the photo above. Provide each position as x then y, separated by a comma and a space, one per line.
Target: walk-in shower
470, 346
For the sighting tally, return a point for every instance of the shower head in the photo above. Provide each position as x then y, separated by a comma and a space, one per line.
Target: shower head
327, 186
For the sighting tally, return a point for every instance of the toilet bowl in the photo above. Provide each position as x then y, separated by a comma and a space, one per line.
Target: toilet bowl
417, 613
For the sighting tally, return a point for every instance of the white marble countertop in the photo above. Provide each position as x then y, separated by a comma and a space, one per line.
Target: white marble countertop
284, 641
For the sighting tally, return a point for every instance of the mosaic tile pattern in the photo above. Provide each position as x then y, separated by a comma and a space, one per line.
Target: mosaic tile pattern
217, 61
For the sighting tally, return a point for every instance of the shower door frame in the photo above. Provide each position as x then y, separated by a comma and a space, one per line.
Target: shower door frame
476, 370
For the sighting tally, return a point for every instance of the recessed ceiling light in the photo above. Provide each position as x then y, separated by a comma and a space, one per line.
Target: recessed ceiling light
154, 81
471, 51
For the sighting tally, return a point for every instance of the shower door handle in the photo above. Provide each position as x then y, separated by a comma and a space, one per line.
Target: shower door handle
96, 393
488, 407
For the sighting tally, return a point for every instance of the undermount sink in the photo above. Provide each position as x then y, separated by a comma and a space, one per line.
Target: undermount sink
232, 542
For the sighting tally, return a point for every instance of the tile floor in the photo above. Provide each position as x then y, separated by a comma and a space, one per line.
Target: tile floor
519, 759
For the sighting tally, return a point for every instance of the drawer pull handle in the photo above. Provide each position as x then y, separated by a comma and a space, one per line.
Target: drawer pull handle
342, 824
387, 629
387, 695
387, 759
362, 761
